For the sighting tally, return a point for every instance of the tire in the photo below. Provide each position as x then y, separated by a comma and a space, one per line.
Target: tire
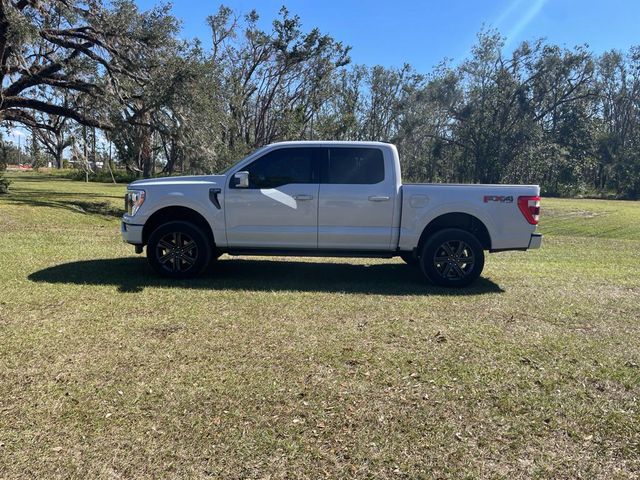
178, 250
409, 258
452, 258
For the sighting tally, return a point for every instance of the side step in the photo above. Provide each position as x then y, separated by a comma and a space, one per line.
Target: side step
311, 252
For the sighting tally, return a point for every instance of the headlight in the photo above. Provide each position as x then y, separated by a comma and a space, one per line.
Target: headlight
133, 200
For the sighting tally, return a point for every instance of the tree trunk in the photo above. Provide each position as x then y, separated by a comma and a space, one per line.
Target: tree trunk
58, 156
146, 154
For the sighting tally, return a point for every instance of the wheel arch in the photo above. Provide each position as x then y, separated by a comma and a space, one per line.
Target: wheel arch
461, 220
177, 213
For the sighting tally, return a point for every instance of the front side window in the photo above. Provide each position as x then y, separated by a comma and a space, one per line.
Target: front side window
282, 167
355, 166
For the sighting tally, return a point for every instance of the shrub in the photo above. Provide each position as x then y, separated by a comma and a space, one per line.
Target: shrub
102, 176
4, 184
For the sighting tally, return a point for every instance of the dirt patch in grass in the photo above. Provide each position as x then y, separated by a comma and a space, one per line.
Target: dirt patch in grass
566, 214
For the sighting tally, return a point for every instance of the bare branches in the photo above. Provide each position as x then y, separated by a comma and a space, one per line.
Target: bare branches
274, 81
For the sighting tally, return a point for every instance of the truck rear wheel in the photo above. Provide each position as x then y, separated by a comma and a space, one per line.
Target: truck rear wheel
178, 250
452, 258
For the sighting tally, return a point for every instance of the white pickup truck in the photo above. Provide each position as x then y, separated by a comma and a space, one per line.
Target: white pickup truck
327, 199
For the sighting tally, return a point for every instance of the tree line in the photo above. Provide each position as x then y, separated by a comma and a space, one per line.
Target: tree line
92, 80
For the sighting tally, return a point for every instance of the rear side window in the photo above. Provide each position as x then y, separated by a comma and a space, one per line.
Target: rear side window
355, 166
282, 167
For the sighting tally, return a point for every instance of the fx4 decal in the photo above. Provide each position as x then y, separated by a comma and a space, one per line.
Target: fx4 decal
498, 198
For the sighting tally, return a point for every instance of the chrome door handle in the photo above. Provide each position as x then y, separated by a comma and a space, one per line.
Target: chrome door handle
378, 198
303, 197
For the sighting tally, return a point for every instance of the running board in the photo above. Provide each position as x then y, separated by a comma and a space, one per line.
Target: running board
302, 252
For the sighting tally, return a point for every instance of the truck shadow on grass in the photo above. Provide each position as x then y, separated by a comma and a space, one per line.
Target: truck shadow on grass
133, 274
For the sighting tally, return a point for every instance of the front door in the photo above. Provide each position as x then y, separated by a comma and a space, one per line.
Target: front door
279, 208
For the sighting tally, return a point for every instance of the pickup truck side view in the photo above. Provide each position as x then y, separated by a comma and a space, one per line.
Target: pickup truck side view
327, 199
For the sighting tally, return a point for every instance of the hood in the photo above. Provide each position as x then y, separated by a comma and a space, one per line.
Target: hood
186, 180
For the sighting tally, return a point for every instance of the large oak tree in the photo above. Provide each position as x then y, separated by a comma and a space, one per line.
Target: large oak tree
75, 46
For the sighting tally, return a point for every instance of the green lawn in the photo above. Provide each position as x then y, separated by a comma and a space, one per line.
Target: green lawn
313, 368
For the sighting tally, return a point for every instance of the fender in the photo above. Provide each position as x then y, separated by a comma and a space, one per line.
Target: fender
198, 202
419, 218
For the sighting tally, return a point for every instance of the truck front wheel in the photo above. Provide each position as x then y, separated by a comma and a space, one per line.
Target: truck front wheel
452, 258
178, 250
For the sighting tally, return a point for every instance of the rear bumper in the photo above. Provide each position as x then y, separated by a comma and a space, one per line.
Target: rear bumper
131, 233
536, 240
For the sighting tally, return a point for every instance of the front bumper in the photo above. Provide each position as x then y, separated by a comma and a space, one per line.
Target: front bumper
131, 233
536, 240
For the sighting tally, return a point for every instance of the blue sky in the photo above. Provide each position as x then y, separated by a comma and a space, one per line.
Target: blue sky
422, 33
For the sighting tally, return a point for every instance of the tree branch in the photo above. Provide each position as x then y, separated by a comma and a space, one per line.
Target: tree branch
30, 103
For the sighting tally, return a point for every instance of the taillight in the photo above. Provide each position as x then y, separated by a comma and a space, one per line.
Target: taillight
530, 208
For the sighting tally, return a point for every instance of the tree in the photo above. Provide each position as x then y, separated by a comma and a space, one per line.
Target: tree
73, 46
55, 139
618, 129
56, 44
145, 111
191, 122
7, 153
339, 117
425, 136
274, 83
502, 108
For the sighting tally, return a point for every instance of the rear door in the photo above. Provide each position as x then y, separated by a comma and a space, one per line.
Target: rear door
357, 195
279, 209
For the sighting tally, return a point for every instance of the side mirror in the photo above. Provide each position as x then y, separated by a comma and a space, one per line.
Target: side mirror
241, 179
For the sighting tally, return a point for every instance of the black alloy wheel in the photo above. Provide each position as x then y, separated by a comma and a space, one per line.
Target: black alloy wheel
178, 250
452, 258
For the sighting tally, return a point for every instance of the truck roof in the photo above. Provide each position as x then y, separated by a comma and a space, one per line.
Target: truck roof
324, 143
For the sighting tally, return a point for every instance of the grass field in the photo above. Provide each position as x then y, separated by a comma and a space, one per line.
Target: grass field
313, 368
